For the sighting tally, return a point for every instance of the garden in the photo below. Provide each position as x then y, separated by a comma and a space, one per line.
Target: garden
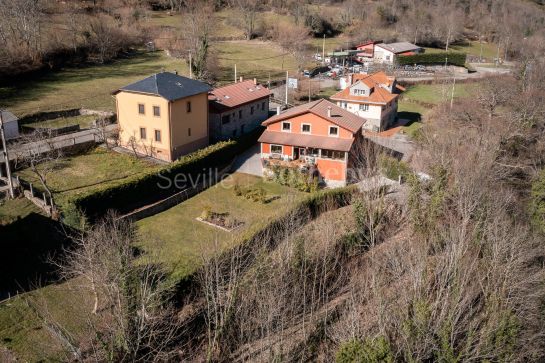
239, 203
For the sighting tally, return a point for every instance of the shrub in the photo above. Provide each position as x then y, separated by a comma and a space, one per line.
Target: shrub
294, 178
537, 202
368, 351
206, 213
237, 190
453, 58
393, 168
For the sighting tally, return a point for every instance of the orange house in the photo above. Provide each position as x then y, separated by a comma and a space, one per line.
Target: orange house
318, 136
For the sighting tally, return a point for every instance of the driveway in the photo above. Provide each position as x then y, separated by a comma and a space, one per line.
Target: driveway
249, 162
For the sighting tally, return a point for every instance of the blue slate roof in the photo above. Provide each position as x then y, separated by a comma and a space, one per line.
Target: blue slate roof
168, 85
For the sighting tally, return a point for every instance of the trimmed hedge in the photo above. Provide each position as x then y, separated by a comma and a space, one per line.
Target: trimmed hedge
453, 58
144, 189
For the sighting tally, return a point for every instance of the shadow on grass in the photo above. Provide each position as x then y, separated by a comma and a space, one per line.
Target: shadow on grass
26, 245
411, 116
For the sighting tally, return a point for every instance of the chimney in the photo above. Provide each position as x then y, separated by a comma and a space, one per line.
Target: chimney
328, 111
278, 110
255, 81
241, 79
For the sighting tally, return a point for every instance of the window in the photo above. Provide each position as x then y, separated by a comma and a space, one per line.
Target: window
189, 131
332, 154
188, 106
156, 111
343, 104
359, 92
313, 151
276, 149
333, 131
305, 128
263, 106
158, 135
286, 126
364, 107
252, 110
225, 119
239, 113
141, 109
142, 133
388, 57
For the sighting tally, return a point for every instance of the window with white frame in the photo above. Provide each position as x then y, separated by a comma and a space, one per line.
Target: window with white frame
364, 107
333, 131
286, 126
305, 128
276, 149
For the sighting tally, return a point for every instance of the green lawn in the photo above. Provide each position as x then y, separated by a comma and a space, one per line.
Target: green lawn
473, 47
22, 330
176, 237
13, 209
88, 87
82, 173
436, 93
85, 122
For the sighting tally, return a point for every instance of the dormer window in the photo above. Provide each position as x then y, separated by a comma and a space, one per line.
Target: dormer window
333, 131
286, 126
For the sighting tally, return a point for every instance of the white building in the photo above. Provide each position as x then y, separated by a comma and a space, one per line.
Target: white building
371, 96
388, 53
11, 125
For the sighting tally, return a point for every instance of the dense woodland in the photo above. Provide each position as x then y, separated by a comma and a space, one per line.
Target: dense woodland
449, 269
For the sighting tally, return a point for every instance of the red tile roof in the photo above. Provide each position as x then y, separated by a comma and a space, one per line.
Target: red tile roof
339, 116
378, 95
236, 94
304, 140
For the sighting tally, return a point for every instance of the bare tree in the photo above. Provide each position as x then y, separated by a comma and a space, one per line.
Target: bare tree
42, 154
132, 318
249, 11
197, 39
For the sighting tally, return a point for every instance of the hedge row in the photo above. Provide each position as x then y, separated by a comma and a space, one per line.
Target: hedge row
144, 189
453, 58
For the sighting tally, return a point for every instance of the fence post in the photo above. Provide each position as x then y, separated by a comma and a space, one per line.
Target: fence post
31, 190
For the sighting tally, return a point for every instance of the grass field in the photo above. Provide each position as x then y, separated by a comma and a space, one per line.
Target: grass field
473, 47
22, 330
436, 93
177, 238
13, 209
88, 87
85, 121
80, 174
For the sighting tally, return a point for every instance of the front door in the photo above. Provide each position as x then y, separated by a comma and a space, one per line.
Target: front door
295, 153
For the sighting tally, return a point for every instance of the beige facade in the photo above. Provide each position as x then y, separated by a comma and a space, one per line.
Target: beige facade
160, 128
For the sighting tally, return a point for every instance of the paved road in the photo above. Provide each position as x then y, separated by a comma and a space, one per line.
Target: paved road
249, 162
58, 142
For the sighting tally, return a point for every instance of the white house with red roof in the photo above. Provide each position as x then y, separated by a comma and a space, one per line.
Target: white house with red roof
370, 96
388, 53
366, 50
319, 137
237, 108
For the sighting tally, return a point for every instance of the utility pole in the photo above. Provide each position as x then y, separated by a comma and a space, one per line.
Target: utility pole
309, 85
6, 155
235, 73
190, 66
287, 80
323, 51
